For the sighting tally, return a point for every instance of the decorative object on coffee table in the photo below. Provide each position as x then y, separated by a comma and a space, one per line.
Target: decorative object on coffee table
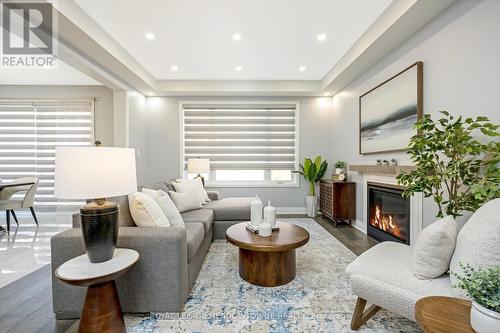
312, 172
265, 229
483, 286
256, 212
270, 214
199, 166
440, 314
337, 200
96, 173
267, 261
101, 309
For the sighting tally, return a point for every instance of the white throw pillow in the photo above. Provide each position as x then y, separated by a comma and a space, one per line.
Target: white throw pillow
167, 206
185, 201
478, 243
434, 248
145, 211
183, 185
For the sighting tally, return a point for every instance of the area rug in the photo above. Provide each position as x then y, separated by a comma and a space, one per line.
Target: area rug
319, 299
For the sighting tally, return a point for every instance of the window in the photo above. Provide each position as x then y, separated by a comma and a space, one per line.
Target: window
29, 133
248, 144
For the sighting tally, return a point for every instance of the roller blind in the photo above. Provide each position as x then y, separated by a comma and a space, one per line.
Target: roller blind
29, 133
241, 136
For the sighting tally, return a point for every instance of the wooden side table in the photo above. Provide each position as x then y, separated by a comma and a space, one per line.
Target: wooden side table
440, 314
101, 310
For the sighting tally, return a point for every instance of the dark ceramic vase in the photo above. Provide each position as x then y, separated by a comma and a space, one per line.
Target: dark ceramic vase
100, 231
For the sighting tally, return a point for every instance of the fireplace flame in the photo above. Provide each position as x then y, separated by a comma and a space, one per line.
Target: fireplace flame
385, 222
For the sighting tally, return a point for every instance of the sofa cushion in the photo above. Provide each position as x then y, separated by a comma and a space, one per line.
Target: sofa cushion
194, 237
203, 216
185, 201
390, 263
145, 211
434, 248
478, 241
231, 209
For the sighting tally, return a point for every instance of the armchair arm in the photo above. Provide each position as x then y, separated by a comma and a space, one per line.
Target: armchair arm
213, 195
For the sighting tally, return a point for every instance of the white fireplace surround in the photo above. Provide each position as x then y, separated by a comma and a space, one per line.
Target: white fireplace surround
416, 206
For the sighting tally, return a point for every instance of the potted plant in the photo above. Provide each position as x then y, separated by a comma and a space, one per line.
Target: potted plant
385, 162
312, 172
394, 161
483, 286
453, 165
379, 162
340, 167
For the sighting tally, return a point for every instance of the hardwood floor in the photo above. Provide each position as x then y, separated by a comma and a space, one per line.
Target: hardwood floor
26, 304
352, 238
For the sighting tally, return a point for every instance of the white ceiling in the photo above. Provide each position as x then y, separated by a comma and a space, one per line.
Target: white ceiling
62, 74
278, 36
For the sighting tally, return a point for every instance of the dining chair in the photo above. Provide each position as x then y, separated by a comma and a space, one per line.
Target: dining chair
9, 205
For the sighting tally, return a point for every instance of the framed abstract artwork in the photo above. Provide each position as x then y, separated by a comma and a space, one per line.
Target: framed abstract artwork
388, 111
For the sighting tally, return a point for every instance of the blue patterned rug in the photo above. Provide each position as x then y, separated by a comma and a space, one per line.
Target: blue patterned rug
318, 300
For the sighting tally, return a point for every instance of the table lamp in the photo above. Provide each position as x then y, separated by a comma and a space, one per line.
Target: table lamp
94, 174
199, 166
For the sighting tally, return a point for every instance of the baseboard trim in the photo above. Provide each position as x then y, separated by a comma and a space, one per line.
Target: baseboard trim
291, 210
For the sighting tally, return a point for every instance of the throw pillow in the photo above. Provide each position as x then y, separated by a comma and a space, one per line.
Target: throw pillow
434, 248
184, 185
167, 206
185, 201
145, 211
478, 243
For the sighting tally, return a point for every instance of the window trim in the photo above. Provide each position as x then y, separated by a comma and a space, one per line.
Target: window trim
296, 182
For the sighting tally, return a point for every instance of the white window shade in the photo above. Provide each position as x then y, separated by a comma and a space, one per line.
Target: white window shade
29, 132
241, 135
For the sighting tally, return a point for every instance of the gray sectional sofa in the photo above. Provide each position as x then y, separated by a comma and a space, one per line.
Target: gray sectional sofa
170, 258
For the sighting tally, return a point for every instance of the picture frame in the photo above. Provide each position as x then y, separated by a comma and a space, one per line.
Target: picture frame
388, 111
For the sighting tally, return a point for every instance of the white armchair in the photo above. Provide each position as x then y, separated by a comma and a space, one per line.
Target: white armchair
382, 275
9, 205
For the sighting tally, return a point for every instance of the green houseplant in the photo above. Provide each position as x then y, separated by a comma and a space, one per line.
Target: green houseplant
340, 167
483, 286
312, 171
458, 170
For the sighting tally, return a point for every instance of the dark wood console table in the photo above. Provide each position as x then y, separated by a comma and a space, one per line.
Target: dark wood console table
337, 200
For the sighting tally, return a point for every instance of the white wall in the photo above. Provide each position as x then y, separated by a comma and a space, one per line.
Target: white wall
461, 53
162, 127
137, 136
103, 102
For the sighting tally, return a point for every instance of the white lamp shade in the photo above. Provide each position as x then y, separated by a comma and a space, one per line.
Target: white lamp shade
94, 172
198, 165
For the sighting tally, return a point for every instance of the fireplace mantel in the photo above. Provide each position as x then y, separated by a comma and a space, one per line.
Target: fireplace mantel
381, 169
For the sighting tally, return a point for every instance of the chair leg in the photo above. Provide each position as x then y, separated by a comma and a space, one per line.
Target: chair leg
34, 215
359, 317
14, 215
7, 217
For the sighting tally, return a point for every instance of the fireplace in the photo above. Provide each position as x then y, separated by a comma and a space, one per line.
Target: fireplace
388, 213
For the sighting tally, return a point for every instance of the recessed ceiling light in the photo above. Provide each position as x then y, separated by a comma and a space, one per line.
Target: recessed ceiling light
238, 68
149, 36
302, 68
174, 68
150, 93
321, 37
236, 37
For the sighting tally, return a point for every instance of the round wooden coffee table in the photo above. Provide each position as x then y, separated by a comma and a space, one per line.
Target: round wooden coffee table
440, 314
267, 261
101, 310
